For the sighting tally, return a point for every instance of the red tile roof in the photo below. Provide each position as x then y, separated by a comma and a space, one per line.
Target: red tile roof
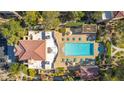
31, 49
117, 14
89, 72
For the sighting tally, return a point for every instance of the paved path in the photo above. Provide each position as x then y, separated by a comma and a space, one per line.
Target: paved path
3, 20
3, 75
20, 17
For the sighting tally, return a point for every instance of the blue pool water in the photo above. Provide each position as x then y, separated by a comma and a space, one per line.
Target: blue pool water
79, 49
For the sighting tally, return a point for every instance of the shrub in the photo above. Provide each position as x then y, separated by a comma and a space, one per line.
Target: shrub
60, 68
62, 30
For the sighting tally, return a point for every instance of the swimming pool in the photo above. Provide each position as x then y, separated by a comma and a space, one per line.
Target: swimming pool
79, 49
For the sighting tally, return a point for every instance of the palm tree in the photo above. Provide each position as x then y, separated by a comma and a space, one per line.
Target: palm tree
14, 70
23, 68
32, 73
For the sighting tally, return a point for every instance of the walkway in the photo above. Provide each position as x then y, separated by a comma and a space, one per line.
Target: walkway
20, 17
117, 50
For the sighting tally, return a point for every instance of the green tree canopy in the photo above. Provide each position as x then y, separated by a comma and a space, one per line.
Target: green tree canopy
71, 16
119, 33
23, 68
32, 17
120, 26
77, 15
51, 20
115, 73
96, 15
14, 68
13, 31
32, 72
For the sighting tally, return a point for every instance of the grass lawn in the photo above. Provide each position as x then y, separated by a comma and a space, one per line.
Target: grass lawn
108, 45
119, 54
74, 24
121, 45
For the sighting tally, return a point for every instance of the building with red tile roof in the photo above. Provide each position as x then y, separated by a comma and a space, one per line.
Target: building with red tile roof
37, 52
31, 49
89, 72
118, 14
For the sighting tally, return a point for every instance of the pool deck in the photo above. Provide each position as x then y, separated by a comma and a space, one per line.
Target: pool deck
60, 42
